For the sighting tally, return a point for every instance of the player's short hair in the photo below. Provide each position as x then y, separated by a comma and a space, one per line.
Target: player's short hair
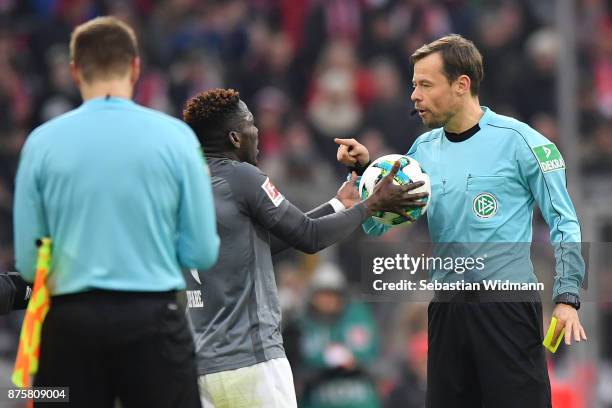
103, 48
459, 56
212, 114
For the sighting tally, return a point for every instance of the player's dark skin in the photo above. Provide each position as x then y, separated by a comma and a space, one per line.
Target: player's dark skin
386, 196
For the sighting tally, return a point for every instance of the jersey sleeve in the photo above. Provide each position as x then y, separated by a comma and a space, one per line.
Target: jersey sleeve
29, 219
542, 170
277, 215
259, 196
370, 225
197, 238
374, 228
278, 245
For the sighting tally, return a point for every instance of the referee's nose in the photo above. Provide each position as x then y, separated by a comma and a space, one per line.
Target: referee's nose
415, 96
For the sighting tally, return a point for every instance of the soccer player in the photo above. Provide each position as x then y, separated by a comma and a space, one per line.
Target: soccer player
487, 173
14, 292
233, 307
120, 190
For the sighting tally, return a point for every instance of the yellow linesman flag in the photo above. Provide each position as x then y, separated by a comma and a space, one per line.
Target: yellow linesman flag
28, 353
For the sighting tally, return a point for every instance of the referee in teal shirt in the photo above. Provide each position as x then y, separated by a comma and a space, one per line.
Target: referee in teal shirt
487, 173
125, 196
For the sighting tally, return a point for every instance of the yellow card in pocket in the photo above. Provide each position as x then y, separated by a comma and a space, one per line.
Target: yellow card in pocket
548, 340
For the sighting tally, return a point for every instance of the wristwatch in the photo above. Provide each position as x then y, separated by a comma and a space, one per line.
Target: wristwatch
569, 299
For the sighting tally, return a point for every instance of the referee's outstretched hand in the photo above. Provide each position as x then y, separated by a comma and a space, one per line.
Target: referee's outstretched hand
567, 317
351, 153
394, 198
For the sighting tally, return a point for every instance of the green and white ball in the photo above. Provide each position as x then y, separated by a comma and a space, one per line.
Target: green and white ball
409, 171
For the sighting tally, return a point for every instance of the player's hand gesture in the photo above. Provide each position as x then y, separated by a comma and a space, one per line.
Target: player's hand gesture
394, 198
348, 194
567, 317
352, 153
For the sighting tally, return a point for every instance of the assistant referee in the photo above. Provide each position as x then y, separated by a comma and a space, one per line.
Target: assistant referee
122, 192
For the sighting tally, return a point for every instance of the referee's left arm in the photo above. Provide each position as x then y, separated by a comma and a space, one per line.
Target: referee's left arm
543, 170
28, 213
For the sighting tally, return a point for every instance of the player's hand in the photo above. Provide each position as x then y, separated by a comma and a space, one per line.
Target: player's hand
567, 317
391, 197
352, 153
348, 194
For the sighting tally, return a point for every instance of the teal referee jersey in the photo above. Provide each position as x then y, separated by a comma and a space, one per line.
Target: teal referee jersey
484, 190
122, 191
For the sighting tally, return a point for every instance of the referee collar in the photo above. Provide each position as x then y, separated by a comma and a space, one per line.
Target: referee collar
102, 100
463, 136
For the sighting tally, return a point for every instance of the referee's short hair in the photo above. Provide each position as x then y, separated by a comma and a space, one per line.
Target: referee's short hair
103, 48
459, 56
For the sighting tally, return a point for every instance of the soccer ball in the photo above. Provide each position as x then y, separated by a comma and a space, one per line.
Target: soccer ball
409, 171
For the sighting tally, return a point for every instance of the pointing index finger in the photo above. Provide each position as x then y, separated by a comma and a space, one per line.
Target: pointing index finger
344, 142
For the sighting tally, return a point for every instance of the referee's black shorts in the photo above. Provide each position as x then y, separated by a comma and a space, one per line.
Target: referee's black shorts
132, 346
486, 353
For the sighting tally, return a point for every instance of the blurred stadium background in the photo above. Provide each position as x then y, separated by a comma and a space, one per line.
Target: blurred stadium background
312, 70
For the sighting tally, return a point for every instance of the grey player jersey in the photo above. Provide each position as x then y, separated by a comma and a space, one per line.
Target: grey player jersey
233, 307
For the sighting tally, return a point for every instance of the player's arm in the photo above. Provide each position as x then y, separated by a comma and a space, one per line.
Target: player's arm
287, 222
29, 219
197, 243
543, 170
346, 197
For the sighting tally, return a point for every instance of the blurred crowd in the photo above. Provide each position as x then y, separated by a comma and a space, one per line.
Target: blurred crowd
313, 70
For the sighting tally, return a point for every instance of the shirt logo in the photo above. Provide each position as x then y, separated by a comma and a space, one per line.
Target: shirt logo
485, 205
194, 299
273, 194
549, 158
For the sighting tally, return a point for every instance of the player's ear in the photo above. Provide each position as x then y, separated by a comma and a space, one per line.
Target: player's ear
234, 138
